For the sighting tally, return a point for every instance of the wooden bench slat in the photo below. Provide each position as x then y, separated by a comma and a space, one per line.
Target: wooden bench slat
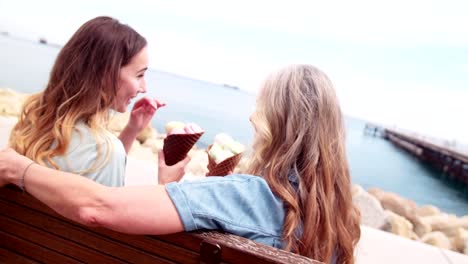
241, 250
56, 243
80, 237
155, 246
13, 194
33, 250
8, 256
181, 247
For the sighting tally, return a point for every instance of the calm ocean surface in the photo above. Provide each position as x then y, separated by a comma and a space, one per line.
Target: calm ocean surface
25, 65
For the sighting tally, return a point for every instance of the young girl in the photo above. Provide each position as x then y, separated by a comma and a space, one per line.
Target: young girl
300, 201
99, 70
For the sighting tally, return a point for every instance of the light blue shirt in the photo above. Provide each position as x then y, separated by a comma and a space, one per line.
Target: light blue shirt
82, 154
239, 204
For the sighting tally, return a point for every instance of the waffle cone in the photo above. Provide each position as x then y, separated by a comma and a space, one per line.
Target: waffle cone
224, 167
177, 146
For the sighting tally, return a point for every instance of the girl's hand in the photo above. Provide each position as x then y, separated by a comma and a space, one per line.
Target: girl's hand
167, 174
142, 112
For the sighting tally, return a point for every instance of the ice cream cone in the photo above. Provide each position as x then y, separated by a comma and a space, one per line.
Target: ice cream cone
224, 167
176, 146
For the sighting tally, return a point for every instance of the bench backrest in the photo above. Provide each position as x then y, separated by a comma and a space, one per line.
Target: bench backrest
31, 232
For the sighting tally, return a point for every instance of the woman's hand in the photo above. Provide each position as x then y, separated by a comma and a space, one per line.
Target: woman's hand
142, 112
12, 166
167, 174
141, 115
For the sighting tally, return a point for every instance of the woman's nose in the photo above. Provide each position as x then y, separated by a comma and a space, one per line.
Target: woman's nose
143, 87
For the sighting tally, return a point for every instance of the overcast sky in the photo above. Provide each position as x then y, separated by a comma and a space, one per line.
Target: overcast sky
402, 62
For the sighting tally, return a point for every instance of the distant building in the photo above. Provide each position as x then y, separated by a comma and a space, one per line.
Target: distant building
231, 86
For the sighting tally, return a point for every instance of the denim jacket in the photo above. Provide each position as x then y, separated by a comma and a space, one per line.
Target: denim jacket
238, 204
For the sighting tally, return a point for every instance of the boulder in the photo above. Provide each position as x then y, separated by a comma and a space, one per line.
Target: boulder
458, 239
399, 225
465, 251
147, 133
442, 221
242, 166
463, 221
372, 213
451, 231
154, 144
11, 102
420, 227
437, 239
118, 121
356, 190
198, 163
395, 203
376, 192
427, 210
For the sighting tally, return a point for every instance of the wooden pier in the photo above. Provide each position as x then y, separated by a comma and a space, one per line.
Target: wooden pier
451, 162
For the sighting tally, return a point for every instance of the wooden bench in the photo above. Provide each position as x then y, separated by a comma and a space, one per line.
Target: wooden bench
30, 232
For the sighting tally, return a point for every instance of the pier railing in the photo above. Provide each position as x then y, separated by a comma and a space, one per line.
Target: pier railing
452, 162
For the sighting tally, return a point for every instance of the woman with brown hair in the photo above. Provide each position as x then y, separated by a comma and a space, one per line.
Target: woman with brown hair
300, 201
99, 70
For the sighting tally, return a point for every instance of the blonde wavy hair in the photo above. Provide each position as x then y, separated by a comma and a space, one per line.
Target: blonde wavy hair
82, 87
299, 129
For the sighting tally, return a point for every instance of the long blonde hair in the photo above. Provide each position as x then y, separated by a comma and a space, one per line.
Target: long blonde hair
82, 87
299, 129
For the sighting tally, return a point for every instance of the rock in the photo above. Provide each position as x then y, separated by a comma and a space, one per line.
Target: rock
405, 208
465, 251
118, 121
427, 210
393, 202
376, 192
8, 93
399, 225
11, 102
154, 144
437, 239
356, 190
441, 221
372, 213
198, 163
451, 231
147, 133
463, 221
420, 227
242, 166
458, 239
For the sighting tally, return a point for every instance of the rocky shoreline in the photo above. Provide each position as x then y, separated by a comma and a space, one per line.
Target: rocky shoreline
379, 209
